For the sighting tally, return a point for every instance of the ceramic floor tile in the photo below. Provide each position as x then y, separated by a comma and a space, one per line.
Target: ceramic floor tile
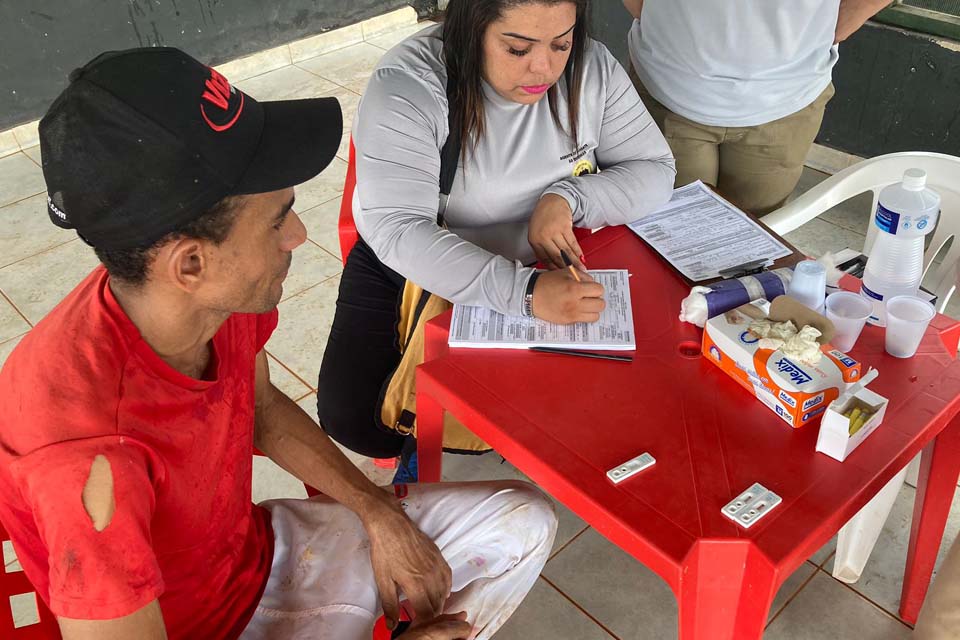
882, 578
286, 382
622, 594
254, 65
377, 475
286, 83
305, 320
818, 236
24, 608
10, 562
311, 265
36, 285
349, 67
271, 481
28, 134
546, 615
349, 101
6, 348
321, 223
791, 587
827, 610
34, 154
388, 40
953, 307
343, 151
25, 230
20, 178
8, 144
12, 323
388, 22
824, 553
325, 42
322, 188
492, 466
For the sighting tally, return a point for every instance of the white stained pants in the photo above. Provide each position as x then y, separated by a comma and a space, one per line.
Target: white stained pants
496, 536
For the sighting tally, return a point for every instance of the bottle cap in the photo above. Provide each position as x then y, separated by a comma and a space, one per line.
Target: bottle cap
914, 179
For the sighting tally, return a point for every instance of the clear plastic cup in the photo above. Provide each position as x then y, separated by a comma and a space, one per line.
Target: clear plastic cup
808, 284
907, 320
848, 312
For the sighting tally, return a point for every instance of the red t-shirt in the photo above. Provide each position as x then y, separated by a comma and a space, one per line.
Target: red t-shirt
84, 383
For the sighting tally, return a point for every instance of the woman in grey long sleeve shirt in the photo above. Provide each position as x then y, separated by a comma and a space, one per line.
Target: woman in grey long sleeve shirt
554, 137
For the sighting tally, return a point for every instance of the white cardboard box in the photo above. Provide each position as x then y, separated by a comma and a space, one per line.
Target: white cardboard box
835, 439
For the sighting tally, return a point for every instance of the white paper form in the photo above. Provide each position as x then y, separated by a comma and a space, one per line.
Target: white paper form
480, 328
701, 234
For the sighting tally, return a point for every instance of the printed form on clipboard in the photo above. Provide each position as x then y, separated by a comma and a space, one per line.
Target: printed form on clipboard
700, 234
480, 328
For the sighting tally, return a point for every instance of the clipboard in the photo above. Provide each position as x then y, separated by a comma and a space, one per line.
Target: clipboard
693, 229
748, 269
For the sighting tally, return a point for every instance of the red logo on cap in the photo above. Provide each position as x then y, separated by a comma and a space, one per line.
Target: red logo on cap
218, 93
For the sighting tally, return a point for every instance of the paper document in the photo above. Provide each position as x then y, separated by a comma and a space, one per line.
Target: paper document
701, 234
478, 327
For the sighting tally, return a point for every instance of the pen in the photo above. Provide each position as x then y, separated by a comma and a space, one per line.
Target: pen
569, 263
582, 354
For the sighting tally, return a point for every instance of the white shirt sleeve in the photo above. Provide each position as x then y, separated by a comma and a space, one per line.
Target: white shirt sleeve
636, 165
399, 131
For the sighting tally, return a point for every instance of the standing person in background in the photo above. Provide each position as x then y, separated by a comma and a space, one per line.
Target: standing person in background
739, 88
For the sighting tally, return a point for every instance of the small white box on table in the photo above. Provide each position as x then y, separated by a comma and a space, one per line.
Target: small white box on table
835, 439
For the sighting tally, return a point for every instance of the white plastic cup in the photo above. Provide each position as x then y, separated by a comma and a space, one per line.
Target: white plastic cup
907, 321
848, 312
808, 284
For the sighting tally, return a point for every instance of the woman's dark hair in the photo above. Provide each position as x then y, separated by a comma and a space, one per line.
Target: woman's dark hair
131, 266
464, 27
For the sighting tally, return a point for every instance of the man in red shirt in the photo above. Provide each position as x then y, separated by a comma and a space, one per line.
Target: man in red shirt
128, 416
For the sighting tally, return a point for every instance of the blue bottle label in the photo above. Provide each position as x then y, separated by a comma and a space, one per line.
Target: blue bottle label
887, 220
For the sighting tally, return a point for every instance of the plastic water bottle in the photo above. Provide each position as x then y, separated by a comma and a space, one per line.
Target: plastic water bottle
906, 212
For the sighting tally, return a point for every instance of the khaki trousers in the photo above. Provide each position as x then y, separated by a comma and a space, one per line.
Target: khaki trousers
755, 167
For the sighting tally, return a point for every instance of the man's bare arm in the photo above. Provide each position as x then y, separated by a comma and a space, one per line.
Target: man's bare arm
291, 438
145, 624
403, 558
853, 14
634, 7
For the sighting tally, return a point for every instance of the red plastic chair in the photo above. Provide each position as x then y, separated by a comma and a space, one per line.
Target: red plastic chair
16, 584
346, 229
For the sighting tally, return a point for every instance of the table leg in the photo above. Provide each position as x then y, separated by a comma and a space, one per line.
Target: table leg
429, 438
939, 470
726, 590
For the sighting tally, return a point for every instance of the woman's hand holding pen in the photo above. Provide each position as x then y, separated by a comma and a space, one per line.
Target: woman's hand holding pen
551, 231
559, 297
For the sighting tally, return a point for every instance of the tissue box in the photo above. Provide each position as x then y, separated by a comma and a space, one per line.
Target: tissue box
835, 439
796, 392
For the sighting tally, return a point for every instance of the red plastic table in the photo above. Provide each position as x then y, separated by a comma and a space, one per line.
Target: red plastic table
565, 421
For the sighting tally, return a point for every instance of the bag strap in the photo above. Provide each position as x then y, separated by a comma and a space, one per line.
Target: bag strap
450, 154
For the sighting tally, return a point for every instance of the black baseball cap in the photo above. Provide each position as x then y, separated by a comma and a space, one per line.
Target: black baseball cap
143, 141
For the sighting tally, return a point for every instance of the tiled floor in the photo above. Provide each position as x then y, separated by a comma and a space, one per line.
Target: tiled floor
590, 589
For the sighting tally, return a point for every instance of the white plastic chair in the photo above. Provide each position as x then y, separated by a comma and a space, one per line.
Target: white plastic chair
857, 538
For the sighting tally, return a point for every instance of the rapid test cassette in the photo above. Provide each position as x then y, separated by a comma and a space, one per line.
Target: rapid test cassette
630, 468
751, 505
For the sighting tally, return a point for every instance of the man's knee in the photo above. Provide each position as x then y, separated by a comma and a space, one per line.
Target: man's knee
525, 506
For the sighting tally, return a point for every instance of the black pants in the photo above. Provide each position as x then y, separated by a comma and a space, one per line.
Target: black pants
361, 352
